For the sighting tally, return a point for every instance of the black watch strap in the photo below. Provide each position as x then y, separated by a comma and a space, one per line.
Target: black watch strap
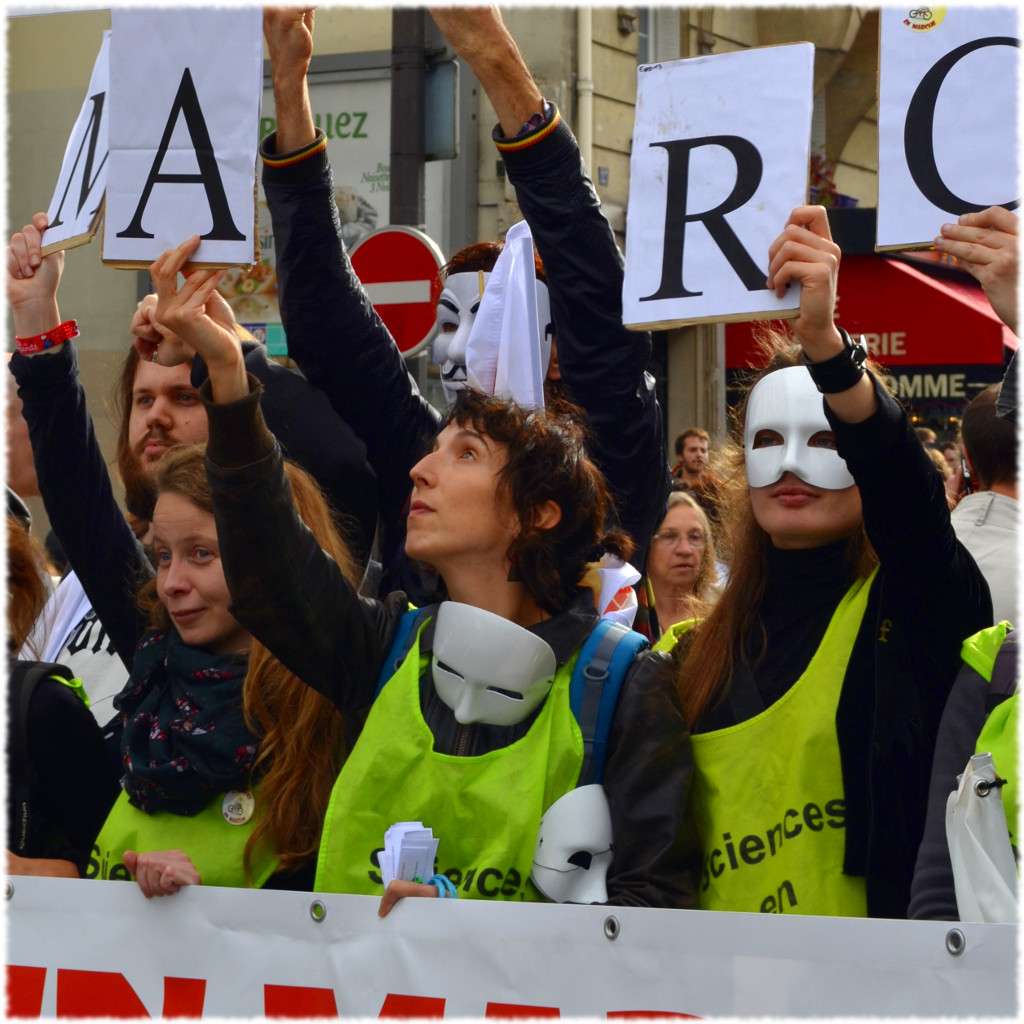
841, 371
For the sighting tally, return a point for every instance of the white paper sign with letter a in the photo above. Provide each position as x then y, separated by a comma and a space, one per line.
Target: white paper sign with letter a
720, 155
948, 80
185, 87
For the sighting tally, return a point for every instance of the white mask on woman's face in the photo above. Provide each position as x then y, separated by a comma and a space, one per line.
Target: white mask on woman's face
786, 431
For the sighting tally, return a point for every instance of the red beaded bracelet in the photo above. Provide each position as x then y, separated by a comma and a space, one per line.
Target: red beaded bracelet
41, 342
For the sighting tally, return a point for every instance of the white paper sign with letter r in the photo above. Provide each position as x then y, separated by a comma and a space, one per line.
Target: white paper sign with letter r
185, 88
720, 155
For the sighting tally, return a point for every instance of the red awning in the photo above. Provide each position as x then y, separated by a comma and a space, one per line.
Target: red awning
908, 317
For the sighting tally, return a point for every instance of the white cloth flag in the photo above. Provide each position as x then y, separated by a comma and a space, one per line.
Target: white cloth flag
984, 872
503, 351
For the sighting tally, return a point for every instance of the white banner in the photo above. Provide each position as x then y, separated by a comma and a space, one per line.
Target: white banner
74, 211
947, 117
90, 948
720, 157
185, 89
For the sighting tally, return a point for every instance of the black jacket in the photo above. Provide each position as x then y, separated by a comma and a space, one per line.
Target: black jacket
294, 599
342, 346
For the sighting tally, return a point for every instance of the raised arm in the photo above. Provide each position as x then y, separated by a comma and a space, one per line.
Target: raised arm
334, 334
602, 364
906, 515
73, 478
284, 589
480, 38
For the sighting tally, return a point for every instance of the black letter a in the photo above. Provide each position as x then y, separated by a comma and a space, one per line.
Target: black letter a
187, 102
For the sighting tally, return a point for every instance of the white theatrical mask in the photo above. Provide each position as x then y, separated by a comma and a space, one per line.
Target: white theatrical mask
574, 847
488, 669
787, 403
457, 307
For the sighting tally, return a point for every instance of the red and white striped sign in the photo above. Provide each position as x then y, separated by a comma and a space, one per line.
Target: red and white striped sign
396, 266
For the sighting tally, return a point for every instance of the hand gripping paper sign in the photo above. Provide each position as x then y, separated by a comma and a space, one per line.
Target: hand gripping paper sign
75, 210
185, 88
720, 155
948, 81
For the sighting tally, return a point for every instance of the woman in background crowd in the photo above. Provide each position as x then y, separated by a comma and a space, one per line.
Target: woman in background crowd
681, 569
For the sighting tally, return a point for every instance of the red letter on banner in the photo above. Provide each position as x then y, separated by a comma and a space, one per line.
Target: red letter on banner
647, 1014
519, 1010
411, 1006
184, 997
96, 994
297, 1001
25, 991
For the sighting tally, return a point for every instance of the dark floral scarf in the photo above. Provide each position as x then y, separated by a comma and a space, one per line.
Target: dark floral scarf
184, 737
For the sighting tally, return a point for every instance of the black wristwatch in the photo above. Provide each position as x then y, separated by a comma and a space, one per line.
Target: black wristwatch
841, 371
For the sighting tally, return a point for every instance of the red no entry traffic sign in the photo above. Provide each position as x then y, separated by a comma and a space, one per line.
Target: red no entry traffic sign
396, 265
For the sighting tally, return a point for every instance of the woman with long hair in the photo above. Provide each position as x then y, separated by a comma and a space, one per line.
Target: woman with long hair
475, 702
227, 755
681, 572
815, 685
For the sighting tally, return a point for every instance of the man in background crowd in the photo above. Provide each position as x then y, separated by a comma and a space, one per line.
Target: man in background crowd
986, 518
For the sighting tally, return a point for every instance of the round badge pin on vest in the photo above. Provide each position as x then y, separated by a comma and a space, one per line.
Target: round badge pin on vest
237, 806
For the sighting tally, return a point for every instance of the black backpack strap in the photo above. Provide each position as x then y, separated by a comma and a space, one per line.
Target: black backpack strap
22, 679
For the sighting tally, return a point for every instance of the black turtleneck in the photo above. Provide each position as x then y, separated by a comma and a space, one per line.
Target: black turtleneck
803, 590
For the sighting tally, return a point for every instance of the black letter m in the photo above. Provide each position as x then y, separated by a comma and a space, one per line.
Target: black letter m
92, 131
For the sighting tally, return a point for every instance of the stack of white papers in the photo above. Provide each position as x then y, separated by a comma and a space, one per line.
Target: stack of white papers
409, 852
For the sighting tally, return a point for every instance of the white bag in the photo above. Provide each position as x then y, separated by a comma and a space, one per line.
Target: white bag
984, 871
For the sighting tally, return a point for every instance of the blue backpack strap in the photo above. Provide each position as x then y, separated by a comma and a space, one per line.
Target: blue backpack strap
594, 689
405, 636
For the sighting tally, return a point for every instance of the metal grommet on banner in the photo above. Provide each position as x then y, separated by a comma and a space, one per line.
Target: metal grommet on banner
955, 942
9, 889
983, 787
611, 928
317, 911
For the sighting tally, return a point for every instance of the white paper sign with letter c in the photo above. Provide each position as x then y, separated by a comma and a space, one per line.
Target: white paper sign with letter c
720, 154
948, 80
185, 89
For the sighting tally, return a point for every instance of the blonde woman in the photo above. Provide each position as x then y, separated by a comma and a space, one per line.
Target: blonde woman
681, 569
